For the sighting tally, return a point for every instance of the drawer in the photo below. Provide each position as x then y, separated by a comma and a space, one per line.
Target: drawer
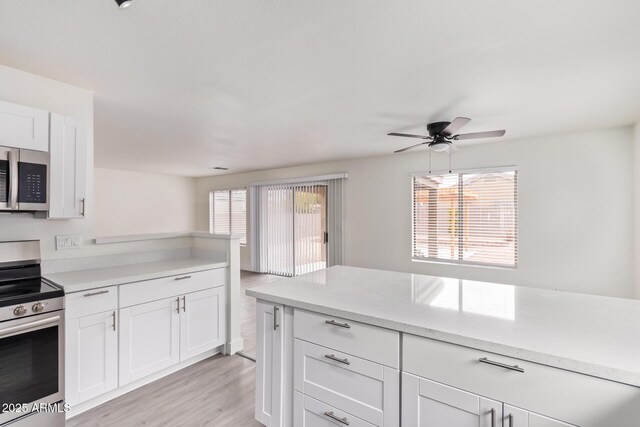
357, 386
369, 342
171, 286
564, 395
309, 412
92, 301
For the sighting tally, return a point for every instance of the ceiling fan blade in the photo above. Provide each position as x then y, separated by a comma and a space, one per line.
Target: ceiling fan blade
408, 135
455, 125
411, 146
478, 135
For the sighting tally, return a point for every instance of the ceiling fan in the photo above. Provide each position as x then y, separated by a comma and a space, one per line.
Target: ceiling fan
441, 134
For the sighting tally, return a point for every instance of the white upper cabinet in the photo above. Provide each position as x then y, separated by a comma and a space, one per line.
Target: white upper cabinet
23, 127
68, 167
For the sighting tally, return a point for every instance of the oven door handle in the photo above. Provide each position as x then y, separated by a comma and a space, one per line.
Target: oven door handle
27, 327
12, 200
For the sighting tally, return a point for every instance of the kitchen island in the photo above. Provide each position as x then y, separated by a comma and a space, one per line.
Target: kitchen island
382, 348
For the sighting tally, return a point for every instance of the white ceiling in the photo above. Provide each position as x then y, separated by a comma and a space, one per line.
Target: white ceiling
184, 85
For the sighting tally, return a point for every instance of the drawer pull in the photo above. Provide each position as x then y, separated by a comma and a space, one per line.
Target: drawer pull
337, 359
340, 325
338, 419
501, 365
182, 278
90, 294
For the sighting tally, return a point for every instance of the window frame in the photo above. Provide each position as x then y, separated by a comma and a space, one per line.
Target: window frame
463, 263
211, 212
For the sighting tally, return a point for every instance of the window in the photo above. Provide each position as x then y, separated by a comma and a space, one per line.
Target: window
228, 213
466, 218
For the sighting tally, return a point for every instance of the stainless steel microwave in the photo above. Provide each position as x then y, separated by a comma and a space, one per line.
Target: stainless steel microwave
23, 180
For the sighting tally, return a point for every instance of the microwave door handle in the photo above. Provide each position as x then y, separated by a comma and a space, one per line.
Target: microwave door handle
12, 157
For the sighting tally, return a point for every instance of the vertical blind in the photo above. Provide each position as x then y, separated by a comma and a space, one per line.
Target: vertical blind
228, 213
468, 218
296, 227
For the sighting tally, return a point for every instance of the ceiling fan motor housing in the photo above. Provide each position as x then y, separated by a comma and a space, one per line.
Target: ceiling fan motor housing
436, 128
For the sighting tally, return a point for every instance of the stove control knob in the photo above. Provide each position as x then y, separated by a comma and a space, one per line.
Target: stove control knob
37, 307
19, 311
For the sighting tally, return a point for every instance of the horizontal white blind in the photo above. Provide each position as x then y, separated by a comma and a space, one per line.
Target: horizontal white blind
228, 213
468, 218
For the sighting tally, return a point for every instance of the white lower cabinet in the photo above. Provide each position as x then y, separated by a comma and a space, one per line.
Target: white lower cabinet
202, 322
159, 334
310, 412
149, 338
516, 417
429, 404
269, 369
91, 356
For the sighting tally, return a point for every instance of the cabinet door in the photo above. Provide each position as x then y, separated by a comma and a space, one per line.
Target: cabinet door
68, 167
202, 322
516, 417
269, 364
91, 356
149, 338
427, 403
24, 127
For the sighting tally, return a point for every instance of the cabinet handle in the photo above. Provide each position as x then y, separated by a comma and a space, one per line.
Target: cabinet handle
178, 305
493, 417
338, 419
341, 325
275, 317
184, 303
182, 278
90, 294
337, 359
113, 317
510, 418
501, 365
82, 201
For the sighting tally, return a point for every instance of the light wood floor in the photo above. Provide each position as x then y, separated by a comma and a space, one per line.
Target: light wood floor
218, 391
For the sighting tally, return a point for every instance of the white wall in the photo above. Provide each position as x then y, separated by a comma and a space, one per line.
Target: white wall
636, 209
575, 209
137, 203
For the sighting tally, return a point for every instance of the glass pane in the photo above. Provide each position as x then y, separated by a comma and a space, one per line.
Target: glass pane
221, 219
29, 366
435, 216
489, 220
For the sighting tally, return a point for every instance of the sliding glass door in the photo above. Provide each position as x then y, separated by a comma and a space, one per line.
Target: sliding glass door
294, 228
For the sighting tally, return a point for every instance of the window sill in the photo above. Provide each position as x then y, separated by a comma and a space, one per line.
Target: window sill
465, 264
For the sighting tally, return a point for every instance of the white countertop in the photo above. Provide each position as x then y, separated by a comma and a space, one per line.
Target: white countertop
82, 280
594, 335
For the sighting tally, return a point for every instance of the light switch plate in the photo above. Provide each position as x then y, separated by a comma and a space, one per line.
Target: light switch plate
70, 241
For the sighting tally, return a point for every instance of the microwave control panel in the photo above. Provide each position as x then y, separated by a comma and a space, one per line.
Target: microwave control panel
32, 185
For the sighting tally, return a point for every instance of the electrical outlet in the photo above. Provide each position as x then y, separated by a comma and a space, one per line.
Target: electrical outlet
72, 241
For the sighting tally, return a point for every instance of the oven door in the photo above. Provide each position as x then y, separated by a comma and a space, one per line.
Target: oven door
31, 363
8, 171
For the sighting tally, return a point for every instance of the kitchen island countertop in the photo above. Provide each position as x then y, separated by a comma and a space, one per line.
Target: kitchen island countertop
593, 335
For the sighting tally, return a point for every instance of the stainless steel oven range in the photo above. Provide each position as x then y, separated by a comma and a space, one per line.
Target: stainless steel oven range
31, 347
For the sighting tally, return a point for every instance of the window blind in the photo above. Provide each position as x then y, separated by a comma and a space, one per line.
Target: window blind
468, 218
228, 213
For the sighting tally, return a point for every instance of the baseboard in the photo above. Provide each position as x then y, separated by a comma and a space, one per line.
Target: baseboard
104, 398
234, 346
